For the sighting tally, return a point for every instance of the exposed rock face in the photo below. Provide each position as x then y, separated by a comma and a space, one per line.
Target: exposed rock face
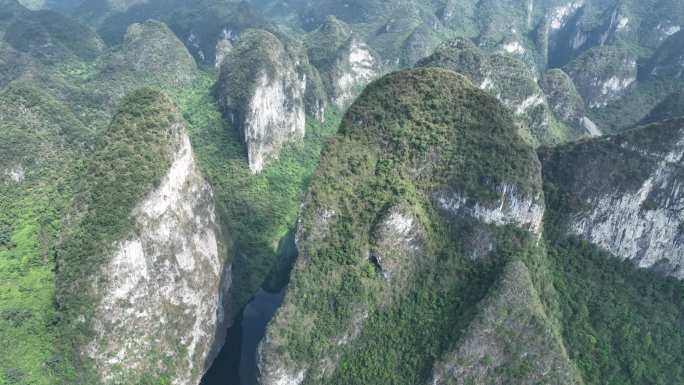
512, 208
223, 48
511, 331
632, 202
262, 89
163, 289
354, 68
33, 4
15, 174
122, 5
603, 75
399, 243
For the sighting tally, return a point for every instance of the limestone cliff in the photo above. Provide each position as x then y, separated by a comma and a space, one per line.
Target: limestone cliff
261, 89
150, 299
624, 194
355, 66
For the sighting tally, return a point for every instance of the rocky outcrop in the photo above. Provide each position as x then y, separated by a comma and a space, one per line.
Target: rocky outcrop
512, 340
511, 208
399, 242
625, 194
166, 286
223, 48
261, 90
603, 75
122, 5
355, 66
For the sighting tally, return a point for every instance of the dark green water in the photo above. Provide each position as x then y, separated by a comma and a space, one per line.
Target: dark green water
236, 364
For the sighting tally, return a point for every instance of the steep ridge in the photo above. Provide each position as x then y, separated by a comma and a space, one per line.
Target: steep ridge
144, 247
261, 89
511, 82
623, 194
407, 222
150, 55
511, 340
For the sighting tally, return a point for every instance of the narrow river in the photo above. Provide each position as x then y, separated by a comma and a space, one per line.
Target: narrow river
227, 369
236, 364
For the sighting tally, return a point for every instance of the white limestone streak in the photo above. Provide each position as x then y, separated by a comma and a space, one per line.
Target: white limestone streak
514, 47
355, 69
162, 294
625, 225
16, 174
560, 15
512, 208
275, 115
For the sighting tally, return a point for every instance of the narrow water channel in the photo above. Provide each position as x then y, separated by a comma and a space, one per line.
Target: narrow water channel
236, 364
254, 321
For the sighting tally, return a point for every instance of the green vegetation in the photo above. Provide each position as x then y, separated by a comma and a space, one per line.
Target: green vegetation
621, 324
511, 81
52, 37
256, 51
259, 210
670, 108
30, 220
41, 141
324, 42
409, 134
